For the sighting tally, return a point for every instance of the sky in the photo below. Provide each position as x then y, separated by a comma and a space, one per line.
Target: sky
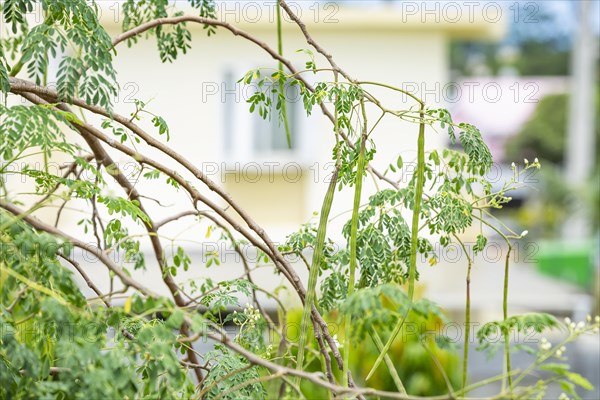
562, 14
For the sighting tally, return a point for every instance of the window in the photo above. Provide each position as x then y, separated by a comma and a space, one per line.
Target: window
249, 137
269, 134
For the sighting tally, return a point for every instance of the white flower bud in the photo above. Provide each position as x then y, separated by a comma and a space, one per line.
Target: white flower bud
580, 325
567, 320
597, 319
524, 233
588, 318
536, 160
546, 346
526, 161
558, 353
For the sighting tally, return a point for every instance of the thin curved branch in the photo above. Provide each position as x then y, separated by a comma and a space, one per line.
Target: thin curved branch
86, 278
104, 158
41, 226
19, 86
313, 377
274, 54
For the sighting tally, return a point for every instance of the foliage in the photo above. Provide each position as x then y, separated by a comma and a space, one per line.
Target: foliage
199, 341
544, 134
225, 361
415, 362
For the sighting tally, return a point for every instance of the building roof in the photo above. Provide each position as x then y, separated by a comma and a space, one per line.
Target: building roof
452, 18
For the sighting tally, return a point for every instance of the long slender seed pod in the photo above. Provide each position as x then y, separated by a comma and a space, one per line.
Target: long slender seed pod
467, 315
318, 252
505, 312
412, 272
314, 268
360, 170
286, 123
388, 361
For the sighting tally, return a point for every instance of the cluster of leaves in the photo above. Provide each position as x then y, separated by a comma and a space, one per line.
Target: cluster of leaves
49, 330
221, 296
333, 267
221, 379
45, 182
348, 156
537, 322
27, 127
555, 370
170, 40
270, 93
4, 77
88, 72
480, 158
117, 238
381, 306
384, 239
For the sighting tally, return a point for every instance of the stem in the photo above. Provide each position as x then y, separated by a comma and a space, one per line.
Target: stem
505, 311
440, 367
288, 135
360, 170
467, 316
420, 182
388, 361
409, 94
504, 304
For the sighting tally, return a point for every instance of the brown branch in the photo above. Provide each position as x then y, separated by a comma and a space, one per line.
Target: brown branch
86, 278
104, 158
312, 42
160, 224
239, 251
92, 286
274, 54
312, 376
21, 87
18, 296
271, 250
205, 21
41, 226
70, 169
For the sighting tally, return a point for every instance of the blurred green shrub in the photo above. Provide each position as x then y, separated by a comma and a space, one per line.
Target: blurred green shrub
544, 134
412, 353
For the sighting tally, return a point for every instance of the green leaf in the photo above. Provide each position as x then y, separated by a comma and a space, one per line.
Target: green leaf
399, 162
569, 388
176, 319
579, 380
557, 368
4, 83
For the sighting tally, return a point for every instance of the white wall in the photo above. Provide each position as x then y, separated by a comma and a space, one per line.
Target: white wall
183, 94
